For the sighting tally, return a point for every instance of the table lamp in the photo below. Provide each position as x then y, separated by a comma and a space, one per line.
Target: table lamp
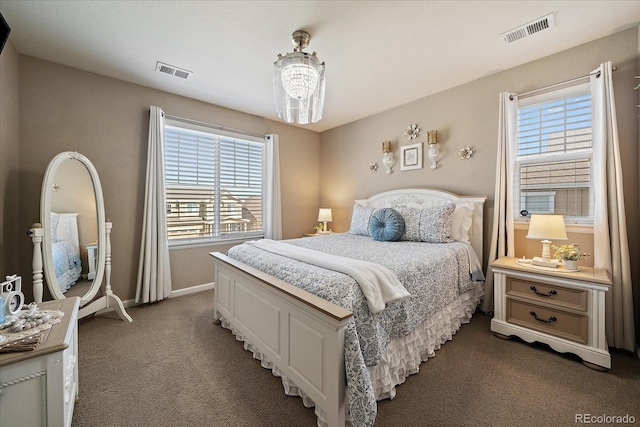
324, 216
546, 228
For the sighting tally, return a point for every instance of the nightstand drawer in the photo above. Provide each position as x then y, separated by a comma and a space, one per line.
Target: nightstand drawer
559, 323
550, 294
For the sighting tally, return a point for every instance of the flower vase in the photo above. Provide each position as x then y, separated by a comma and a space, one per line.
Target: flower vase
571, 265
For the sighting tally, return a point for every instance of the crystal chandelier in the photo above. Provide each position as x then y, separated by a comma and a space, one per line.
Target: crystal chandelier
298, 83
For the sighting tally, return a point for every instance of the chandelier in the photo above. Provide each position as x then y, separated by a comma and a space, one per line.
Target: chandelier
298, 83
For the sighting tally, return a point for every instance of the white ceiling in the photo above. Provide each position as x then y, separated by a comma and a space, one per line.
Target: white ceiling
378, 54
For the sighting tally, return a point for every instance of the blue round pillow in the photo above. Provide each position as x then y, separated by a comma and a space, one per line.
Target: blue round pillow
386, 225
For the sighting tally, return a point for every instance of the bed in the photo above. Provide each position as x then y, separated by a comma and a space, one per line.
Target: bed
330, 342
65, 249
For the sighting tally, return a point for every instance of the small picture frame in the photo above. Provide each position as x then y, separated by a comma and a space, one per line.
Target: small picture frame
411, 157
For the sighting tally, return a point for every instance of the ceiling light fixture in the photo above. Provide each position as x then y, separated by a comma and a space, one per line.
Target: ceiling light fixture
298, 83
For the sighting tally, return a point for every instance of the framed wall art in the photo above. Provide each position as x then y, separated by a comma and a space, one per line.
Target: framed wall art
411, 157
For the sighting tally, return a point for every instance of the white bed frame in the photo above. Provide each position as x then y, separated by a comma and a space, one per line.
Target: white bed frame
300, 333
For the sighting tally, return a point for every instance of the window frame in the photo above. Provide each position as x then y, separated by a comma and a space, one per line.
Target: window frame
218, 237
516, 161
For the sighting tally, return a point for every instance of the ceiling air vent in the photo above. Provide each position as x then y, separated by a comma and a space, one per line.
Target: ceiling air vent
526, 30
173, 71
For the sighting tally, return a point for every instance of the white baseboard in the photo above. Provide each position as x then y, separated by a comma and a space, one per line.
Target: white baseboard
176, 293
192, 289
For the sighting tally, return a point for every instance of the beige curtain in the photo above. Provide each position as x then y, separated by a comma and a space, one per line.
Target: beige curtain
611, 248
272, 209
154, 274
502, 241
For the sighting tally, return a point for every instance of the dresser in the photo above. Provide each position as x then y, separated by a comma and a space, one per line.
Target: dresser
39, 387
565, 310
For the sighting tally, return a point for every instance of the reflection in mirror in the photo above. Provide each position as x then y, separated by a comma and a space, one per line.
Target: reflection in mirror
74, 228
72, 245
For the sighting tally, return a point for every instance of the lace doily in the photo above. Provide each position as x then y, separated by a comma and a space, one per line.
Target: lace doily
55, 316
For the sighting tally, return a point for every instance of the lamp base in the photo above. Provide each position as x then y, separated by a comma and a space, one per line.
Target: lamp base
553, 263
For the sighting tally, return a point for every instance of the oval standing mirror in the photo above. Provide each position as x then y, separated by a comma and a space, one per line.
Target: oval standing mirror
74, 236
72, 217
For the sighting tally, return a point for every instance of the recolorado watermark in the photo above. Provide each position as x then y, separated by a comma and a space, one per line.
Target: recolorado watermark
604, 419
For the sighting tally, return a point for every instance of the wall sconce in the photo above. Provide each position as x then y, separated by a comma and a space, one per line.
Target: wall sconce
55, 187
387, 158
432, 139
373, 166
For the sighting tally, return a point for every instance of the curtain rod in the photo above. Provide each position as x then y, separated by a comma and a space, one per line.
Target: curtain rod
597, 74
211, 125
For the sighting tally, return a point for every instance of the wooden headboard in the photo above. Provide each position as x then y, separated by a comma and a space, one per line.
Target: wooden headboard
424, 198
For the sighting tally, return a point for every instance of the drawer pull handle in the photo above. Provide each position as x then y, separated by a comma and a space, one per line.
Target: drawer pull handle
535, 316
551, 293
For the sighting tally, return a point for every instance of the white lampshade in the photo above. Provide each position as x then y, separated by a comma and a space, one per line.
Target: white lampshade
324, 215
547, 228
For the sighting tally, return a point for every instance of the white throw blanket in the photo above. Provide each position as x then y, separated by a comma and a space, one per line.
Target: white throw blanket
379, 285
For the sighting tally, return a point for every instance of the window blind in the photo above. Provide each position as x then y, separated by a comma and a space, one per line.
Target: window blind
553, 156
557, 127
213, 184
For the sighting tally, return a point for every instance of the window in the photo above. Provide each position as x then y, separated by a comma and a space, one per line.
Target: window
214, 184
553, 155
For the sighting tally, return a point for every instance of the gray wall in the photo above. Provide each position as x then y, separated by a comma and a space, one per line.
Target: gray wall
468, 114
9, 155
60, 108
66, 109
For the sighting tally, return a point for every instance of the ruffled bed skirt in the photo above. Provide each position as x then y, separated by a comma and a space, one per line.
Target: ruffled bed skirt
403, 355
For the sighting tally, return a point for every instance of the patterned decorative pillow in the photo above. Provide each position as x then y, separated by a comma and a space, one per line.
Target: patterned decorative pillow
411, 218
435, 223
360, 220
386, 225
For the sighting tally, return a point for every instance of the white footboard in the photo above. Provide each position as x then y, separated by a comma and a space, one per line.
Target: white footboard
300, 333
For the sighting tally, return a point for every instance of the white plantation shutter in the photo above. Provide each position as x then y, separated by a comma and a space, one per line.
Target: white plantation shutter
553, 155
214, 184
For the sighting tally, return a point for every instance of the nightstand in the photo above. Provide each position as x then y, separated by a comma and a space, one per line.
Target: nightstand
565, 310
92, 252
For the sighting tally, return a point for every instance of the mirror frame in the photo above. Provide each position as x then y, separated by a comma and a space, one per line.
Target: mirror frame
45, 219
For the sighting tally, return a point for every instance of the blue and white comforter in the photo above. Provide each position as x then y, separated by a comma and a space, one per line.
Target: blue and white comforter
433, 273
66, 264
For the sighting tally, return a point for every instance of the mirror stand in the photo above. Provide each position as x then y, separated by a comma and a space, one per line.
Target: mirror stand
107, 300
73, 227
36, 233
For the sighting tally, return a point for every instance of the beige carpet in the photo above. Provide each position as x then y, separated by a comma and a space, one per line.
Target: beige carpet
173, 367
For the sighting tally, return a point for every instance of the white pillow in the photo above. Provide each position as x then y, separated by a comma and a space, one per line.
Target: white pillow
55, 220
461, 220
66, 230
